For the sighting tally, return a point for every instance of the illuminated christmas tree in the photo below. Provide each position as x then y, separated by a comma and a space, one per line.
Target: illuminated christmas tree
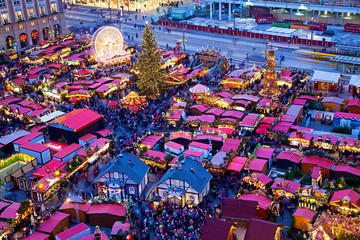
152, 80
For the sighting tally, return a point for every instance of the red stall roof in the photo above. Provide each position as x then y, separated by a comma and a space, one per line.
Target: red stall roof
304, 212
346, 168
173, 145
37, 236
249, 120
333, 139
104, 208
286, 185
92, 237
193, 153
88, 137
239, 208
48, 168
233, 114
151, 140
10, 100
339, 195
264, 152
120, 225
34, 147
200, 145
68, 150
105, 132
3, 205
256, 164
237, 164
215, 111
55, 146
290, 156
320, 161
261, 230
85, 206
10, 211
28, 137
263, 201
50, 224
202, 108
71, 232
215, 229
76, 119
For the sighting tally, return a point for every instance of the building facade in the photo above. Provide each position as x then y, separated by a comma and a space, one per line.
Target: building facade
329, 11
27, 22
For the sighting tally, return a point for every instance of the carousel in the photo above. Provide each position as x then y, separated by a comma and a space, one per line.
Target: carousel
83, 73
133, 101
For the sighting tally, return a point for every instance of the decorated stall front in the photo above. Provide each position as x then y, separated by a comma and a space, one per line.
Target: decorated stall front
287, 188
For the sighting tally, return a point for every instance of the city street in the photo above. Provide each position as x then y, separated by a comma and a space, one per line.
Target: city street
233, 47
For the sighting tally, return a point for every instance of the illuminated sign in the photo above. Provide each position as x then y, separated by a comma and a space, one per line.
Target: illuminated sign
34, 34
23, 38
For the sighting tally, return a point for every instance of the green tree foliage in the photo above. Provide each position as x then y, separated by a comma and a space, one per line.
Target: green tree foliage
24, 206
152, 80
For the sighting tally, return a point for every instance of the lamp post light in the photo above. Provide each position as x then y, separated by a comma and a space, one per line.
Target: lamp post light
109, 9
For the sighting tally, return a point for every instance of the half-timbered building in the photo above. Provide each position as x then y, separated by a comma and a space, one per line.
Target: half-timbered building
186, 182
125, 175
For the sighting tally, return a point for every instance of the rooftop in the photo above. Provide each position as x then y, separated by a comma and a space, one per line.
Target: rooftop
76, 119
51, 223
261, 230
239, 209
105, 208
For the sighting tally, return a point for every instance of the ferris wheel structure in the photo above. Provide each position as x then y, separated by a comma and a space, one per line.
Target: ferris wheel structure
107, 42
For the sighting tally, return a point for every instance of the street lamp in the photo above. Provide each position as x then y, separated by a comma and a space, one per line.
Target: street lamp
109, 9
184, 39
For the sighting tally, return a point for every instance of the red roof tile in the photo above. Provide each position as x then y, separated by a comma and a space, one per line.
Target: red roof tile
67, 150
72, 232
50, 224
304, 212
286, 185
299, 101
306, 136
34, 147
153, 153
261, 230
151, 140
112, 209
290, 156
339, 195
215, 229
76, 119
215, 111
320, 161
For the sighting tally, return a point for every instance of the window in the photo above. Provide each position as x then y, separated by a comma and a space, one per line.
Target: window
53, 8
42, 10
31, 12
7, 29
32, 23
28, 1
21, 26
164, 194
116, 175
5, 18
177, 183
44, 20
18, 15
131, 190
55, 18
2, 4
16, 2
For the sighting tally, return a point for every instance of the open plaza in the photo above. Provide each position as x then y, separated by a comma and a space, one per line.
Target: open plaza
164, 137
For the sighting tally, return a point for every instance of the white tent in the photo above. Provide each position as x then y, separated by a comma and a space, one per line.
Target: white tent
51, 116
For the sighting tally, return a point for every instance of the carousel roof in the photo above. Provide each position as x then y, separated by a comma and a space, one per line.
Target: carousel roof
199, 88
133, 99
83, 72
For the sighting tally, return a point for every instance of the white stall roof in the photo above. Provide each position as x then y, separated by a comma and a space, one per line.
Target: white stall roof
51, 116
326, 77
355, 81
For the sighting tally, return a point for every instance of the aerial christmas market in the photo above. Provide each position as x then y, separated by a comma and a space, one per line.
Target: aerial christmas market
101, 139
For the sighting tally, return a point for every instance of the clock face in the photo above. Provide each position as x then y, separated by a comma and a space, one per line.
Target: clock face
107, 41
